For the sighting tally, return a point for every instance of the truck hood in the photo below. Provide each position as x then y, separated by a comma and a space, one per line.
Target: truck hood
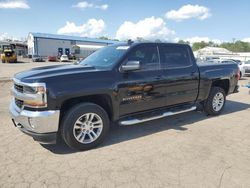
40, 73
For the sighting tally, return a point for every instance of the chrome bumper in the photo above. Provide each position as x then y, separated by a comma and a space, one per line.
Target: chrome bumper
35, 122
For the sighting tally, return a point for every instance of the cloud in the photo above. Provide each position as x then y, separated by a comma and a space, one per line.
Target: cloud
4, 36
216, 41
92, 28
84, 5
192, 40
189, 11
14, 4
246, 40
103, 7
149, 28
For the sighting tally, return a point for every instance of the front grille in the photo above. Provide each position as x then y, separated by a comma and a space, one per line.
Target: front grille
247, 71
19, 88
19, 103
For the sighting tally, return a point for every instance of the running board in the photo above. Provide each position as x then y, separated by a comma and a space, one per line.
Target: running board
165, 114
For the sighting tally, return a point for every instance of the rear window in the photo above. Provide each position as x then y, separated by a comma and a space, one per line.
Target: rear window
174, 57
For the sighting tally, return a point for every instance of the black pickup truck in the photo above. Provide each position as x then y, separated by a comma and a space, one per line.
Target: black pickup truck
125, 83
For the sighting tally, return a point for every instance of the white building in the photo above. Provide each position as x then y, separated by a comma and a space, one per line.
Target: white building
84, 50
215, 52
53, 45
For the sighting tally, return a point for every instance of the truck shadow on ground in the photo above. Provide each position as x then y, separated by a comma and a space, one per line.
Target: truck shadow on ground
177, 122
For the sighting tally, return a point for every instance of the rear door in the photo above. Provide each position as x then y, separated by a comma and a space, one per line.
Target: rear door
180, 72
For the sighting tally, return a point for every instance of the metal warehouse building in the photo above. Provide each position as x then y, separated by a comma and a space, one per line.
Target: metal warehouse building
55, 45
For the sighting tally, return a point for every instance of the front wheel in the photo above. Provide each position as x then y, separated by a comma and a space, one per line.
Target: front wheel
215, 101
84, 126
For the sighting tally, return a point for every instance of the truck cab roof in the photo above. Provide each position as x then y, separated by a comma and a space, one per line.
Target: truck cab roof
134, 43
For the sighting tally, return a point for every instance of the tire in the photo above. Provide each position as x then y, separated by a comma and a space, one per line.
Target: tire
3, 61
77, 123
215, 101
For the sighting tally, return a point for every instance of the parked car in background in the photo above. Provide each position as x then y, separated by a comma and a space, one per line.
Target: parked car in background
246, 66
64, 58
72, 57
52, 58
238, 62
241, 66
211, 58
37, 58
25, 56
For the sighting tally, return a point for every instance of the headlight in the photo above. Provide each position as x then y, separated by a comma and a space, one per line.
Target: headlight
29, 90
34, 90
38, 93
33, 95
39, 96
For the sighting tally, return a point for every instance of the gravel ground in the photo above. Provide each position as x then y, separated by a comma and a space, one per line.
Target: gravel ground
187, 150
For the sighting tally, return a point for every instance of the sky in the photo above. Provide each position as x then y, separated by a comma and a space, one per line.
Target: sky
167, 20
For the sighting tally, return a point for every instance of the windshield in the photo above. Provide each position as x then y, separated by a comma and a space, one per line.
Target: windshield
105, 57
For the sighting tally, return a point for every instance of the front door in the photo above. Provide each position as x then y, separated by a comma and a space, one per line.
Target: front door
142, 89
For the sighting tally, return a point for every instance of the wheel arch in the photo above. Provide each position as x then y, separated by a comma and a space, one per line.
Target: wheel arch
224, 84
102, 100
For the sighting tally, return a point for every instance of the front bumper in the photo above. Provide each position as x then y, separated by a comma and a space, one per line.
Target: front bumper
41, 125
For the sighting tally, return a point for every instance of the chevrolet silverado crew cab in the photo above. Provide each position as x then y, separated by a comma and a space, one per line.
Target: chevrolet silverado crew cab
125, 83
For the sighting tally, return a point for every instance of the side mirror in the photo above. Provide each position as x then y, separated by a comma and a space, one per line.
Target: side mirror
131, 66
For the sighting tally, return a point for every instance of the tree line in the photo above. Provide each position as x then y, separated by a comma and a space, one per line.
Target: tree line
237, 46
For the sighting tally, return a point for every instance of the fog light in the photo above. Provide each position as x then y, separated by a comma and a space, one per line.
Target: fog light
34, 103
32, 122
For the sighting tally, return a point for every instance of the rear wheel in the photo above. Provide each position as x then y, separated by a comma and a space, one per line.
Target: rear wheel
84, 126
215, 101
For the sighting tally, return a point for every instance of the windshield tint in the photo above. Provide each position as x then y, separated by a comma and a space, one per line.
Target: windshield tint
105, 57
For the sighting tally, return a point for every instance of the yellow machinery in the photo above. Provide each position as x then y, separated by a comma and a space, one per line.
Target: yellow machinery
8, 55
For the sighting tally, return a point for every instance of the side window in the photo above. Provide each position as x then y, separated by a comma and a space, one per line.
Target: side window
174, 57
148, 57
